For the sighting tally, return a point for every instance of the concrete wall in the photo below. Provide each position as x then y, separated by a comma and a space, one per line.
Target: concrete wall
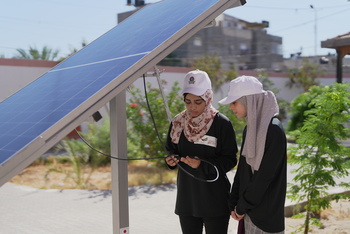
173, 74
17, 73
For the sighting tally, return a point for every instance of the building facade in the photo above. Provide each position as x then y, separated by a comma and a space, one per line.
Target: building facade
237, 43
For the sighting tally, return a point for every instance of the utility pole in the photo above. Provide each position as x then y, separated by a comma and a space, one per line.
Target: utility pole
315, 28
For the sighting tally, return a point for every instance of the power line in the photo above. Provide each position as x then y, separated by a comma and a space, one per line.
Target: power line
293, 8
311, 21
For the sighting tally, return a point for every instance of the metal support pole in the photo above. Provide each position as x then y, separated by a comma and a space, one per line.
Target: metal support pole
120, 204
339, 66
168, 113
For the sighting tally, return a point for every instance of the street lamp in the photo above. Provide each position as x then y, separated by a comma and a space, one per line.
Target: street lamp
315, 28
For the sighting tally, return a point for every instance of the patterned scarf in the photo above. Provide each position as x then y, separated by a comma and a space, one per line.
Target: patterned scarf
194, 128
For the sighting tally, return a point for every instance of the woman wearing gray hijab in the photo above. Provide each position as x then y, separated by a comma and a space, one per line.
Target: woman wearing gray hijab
259, 189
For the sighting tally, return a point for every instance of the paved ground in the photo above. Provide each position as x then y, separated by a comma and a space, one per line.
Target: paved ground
25, 210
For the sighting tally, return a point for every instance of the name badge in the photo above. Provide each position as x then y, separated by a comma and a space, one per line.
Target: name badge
207, 140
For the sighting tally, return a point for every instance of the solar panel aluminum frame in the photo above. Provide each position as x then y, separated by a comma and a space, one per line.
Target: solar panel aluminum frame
60, 129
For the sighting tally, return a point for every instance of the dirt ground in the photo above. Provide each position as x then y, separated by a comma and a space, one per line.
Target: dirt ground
61, 177
335, 220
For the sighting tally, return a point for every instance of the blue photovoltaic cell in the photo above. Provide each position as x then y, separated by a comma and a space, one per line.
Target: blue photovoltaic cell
83, 77
34, 109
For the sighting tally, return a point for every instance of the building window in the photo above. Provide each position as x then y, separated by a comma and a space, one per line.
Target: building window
276, 49
231, 49
243, 48
197, 41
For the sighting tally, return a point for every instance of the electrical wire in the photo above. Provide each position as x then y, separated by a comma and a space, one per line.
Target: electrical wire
161, 157
113, 157
160, 140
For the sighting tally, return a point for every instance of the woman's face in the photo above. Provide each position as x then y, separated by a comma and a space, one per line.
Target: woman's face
238, 109
195, 105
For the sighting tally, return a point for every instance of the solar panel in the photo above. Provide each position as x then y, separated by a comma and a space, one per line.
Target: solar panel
38, 116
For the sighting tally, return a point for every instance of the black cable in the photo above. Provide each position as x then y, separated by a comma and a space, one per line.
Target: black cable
162, 157
160, 140
150, 111
113, 157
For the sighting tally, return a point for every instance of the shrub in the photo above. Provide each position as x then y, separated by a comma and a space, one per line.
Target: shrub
141, 132
301, 104
319, 153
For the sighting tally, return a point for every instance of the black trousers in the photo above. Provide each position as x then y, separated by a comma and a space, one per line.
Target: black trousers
213, 225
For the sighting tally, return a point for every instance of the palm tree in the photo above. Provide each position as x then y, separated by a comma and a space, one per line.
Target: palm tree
34, 53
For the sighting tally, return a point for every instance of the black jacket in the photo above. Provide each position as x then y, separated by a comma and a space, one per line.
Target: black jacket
262, 195
205, 199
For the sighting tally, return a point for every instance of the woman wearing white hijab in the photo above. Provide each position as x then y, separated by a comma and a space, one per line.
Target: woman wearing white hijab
201, 132
259, 189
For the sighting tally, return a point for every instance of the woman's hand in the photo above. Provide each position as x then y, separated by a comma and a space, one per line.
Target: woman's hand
172, 160
236, 216
192, 162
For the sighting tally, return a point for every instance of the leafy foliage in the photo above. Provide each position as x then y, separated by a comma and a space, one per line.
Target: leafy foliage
212, 66
305, 76
82, 157
98, 136
33, 53
141, 132
301, 104
319, 153
79, 160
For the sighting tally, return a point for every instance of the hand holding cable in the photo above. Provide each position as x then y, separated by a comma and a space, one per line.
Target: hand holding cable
173, 160
193, 162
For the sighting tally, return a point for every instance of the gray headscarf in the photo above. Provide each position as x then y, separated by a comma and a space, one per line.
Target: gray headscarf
260, 110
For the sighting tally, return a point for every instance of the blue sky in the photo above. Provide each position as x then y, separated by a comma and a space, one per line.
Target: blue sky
64, 24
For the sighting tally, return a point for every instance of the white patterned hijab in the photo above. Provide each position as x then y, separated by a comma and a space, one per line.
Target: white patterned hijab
261, 108
194, 128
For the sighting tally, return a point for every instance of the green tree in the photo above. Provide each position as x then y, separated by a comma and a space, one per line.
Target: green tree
141, 130
305, 76
319, 153
301, 104
33, 53
212, 66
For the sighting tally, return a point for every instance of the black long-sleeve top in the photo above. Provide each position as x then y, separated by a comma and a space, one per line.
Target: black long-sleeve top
262, 195
205, 199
